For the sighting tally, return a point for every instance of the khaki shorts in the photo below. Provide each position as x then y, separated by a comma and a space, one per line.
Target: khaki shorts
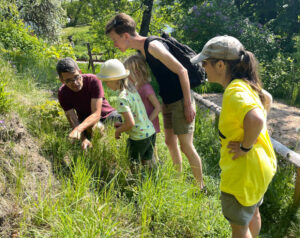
173, 117
236, 213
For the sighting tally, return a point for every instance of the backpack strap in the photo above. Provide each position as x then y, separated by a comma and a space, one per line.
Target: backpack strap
150, 39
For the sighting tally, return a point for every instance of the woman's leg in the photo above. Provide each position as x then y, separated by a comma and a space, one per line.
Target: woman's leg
255, 223
250, 231
187, 147
172, 144
240, 231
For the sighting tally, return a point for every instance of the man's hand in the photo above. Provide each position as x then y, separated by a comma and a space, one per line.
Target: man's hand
234, 148
117, 124
85, 144
189, 113
75, 134
117, 134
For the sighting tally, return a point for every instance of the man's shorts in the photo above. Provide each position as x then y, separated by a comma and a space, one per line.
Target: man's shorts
236, 213
139, 150
173, 117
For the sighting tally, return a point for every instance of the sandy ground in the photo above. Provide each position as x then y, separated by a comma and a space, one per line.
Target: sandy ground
282, 121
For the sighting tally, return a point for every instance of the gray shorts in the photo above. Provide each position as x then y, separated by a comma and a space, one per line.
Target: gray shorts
236, 213
173, 117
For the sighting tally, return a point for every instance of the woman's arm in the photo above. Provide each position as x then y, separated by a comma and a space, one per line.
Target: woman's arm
253, 124
126, 126
157, 108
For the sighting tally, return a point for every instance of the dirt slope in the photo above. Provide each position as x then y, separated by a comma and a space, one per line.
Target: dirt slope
23, 172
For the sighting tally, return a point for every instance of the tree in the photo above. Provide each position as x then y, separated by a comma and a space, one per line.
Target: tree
45, 17
280, 16
146, 17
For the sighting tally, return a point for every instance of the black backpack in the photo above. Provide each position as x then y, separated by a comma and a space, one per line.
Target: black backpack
183, 54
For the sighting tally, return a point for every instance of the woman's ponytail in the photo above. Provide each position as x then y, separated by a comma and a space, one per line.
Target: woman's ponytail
247, 68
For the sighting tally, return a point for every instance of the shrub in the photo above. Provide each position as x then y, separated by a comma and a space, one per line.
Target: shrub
221, 17
281, 77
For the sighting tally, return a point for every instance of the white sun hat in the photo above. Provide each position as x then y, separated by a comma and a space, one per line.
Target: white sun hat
113, 69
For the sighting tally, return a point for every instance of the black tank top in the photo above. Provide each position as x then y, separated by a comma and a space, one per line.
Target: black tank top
169, 84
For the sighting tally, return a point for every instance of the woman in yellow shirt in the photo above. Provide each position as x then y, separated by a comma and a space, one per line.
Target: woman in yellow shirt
248, 161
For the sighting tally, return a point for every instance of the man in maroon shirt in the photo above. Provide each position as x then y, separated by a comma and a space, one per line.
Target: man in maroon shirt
82, 98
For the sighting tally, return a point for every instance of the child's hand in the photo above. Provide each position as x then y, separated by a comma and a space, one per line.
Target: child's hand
117, 124
117, 134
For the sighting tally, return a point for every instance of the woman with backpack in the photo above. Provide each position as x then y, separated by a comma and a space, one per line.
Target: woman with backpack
178, 103
248, 161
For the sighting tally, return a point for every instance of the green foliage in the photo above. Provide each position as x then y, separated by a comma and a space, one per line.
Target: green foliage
45, 17
98, 196
277, 209
80, 36
281, 16
281, 77
17, 39
221, 17
6, 73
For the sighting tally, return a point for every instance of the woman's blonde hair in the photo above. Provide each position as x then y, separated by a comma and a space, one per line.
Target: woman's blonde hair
139, 71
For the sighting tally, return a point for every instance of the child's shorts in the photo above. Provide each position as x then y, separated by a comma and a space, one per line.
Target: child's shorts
236, 213
141, 149
174, 118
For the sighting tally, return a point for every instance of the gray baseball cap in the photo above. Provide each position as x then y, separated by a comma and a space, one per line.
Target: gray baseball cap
220, 47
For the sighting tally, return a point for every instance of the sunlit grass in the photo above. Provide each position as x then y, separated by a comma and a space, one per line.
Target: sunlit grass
94, 194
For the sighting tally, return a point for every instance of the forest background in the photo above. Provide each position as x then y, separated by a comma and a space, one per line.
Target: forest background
52, 189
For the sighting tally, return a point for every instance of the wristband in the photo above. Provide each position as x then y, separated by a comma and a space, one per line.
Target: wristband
245, 149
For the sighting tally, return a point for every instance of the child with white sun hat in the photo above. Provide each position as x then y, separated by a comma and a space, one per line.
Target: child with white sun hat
129, 104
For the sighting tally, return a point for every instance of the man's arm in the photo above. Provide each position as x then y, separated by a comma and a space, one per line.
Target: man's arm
96, 106
158, 51
72, 118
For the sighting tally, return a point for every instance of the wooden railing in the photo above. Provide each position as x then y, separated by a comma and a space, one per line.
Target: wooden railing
281, 149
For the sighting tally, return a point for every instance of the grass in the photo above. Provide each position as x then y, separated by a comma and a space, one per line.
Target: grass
80, 36
94, 194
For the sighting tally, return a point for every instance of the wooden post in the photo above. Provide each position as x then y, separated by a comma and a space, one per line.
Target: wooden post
296, 201
91, 63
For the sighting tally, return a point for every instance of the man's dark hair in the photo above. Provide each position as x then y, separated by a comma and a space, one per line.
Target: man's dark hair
121, 23
66, 65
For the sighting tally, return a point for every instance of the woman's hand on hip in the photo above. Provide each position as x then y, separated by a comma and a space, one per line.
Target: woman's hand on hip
234, 148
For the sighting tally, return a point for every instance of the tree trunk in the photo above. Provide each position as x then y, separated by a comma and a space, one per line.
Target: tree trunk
146, 17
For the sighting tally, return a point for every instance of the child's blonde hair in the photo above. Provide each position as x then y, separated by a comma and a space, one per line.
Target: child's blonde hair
126, 84
139, 71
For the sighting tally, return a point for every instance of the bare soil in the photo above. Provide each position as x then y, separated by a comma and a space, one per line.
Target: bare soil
283, 121
23, 174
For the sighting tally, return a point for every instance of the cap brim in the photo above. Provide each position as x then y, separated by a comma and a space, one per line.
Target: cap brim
106, 78
198, 58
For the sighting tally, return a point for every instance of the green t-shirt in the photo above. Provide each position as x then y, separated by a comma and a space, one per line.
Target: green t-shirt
248, 177
132, 102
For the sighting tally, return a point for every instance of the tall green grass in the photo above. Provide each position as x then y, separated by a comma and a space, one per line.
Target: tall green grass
97, 195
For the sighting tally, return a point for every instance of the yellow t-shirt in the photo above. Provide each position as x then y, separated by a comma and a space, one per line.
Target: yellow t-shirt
248, 177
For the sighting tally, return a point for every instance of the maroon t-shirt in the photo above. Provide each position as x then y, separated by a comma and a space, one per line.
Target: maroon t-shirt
81, 101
